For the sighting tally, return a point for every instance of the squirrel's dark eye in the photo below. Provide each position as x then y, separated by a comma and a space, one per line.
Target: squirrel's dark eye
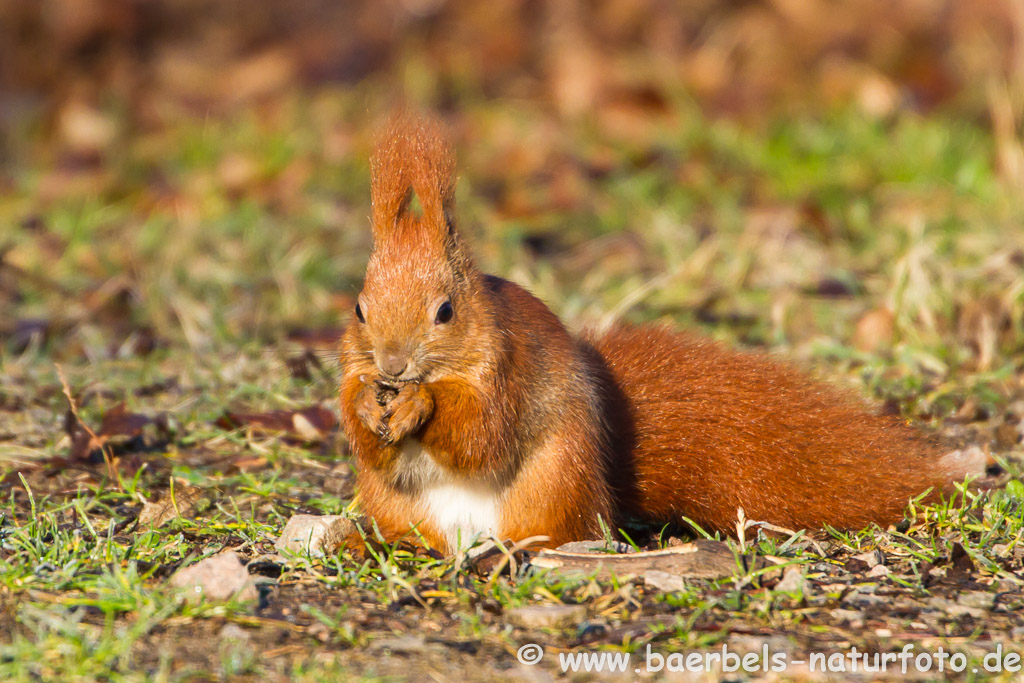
359, 314
444, 313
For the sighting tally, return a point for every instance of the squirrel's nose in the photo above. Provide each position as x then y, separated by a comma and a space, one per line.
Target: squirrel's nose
392, 363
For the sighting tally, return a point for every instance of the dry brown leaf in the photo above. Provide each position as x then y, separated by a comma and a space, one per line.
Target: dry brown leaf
118, 427
310, 424
182, 504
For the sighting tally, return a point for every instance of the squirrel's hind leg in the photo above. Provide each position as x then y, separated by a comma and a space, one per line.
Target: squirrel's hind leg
538, 502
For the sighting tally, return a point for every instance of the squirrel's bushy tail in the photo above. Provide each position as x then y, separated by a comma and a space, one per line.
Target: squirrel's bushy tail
413, 154
705, 430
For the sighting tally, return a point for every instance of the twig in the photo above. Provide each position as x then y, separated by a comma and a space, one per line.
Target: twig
88, 430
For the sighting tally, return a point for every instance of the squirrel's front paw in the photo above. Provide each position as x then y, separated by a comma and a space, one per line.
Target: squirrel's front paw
408, 411
372, 412
392, 413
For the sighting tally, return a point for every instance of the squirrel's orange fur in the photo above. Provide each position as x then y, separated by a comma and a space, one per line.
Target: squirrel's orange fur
496, 420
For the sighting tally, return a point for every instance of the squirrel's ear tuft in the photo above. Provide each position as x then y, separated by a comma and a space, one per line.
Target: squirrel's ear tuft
413, 154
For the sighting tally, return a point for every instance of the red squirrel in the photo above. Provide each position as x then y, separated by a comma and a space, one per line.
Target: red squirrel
473, 412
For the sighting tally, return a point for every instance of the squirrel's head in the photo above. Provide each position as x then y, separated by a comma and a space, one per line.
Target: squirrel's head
418, 309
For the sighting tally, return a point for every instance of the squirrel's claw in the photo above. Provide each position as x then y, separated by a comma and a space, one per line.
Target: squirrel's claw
409, 410
392, 413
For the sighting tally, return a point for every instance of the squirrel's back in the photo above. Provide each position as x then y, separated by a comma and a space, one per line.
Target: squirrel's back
704, 430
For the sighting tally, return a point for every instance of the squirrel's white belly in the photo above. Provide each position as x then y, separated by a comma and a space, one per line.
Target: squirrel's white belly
463, 513
461, 508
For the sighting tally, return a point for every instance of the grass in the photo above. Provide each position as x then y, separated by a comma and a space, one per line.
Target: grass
187, 272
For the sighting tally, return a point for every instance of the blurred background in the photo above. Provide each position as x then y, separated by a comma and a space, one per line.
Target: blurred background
840, 179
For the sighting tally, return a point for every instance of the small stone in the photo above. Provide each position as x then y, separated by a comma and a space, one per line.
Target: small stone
860, 598
314, 534
664, 581
792, 581
547, 616
220, 577
1006, 585
964, 611
878, 571
234, 632
977, 599
404, 645
966, 462
320, 631
849, 617
872, 558
953, 609
528, 674
742, 643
